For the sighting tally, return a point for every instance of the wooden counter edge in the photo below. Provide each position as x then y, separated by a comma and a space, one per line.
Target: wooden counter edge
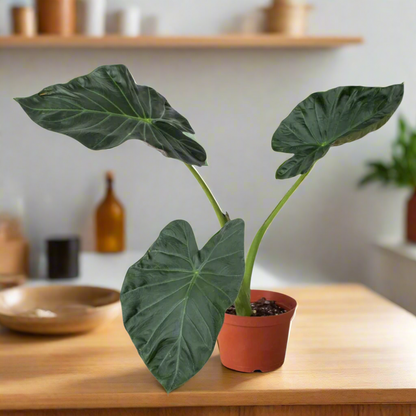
208, 399
347, 410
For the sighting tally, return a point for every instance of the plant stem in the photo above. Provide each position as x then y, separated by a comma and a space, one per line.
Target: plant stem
242, 303
222, 218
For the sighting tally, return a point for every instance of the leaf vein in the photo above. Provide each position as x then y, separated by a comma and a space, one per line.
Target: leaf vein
158, 284
109, 134
122, 93
160, 299
111, 102
216, 287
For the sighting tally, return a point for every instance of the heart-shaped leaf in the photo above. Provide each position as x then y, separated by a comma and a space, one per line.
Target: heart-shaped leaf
105, 108
175, 297
332, 118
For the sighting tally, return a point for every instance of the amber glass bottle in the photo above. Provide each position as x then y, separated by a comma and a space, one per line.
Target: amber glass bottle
109, 221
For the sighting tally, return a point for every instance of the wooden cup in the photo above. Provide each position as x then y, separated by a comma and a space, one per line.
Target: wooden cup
24, 21
287, 19
57, 17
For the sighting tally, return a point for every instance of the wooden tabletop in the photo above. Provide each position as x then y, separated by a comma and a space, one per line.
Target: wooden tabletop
348, 346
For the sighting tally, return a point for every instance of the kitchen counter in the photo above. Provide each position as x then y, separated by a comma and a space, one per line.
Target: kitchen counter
351, 352
393, 272
108, 270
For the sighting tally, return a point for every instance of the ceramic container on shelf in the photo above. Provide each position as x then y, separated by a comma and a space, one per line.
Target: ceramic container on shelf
129, 21
92, 17
56, 17
287, 18
24, 21
257, 344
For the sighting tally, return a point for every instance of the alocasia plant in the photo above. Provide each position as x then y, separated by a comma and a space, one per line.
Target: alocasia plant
175, 297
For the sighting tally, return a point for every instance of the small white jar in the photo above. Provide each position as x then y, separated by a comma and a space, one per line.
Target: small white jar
129, 21
92, 17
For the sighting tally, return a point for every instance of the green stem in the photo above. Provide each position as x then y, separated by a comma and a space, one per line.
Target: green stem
222, 218
242, 302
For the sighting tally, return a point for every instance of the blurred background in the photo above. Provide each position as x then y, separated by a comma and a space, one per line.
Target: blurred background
234, 98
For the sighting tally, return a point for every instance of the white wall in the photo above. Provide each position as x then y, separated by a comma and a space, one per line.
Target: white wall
234, 99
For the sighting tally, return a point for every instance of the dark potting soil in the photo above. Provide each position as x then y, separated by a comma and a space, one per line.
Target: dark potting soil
262, 307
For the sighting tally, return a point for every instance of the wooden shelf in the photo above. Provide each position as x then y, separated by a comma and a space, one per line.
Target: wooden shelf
214, 42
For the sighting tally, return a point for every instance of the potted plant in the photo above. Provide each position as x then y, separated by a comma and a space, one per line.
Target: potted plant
175, 298
399, 171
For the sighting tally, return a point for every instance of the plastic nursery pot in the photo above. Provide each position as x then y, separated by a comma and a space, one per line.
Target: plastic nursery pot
257, 344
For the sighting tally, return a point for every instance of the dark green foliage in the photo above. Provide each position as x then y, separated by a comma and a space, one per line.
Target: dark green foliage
175, 297
332, 118
105, 108
400, 170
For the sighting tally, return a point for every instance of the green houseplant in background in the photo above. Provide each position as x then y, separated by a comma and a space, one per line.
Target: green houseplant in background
400, 171
174, 299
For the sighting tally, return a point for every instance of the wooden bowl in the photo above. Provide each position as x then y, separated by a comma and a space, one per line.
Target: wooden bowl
58, 309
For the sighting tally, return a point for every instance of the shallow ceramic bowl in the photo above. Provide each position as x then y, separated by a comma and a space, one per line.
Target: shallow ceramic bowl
58, 309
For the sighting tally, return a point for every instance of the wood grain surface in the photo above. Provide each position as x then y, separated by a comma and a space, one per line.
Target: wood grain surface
216, 42
349, 410
348, 346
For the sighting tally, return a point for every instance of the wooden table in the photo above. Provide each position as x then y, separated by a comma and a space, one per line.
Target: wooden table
351, 352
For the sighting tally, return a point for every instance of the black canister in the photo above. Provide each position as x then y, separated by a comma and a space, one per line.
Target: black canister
63, 257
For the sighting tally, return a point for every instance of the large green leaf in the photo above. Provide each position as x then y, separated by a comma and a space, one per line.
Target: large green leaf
105, 108
332, 118
175, 297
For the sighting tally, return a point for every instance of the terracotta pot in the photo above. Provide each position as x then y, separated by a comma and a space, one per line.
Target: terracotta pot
56, 17
257, 344
411, 219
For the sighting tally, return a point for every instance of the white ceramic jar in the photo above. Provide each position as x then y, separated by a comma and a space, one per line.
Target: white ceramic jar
129, 21
92, 17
